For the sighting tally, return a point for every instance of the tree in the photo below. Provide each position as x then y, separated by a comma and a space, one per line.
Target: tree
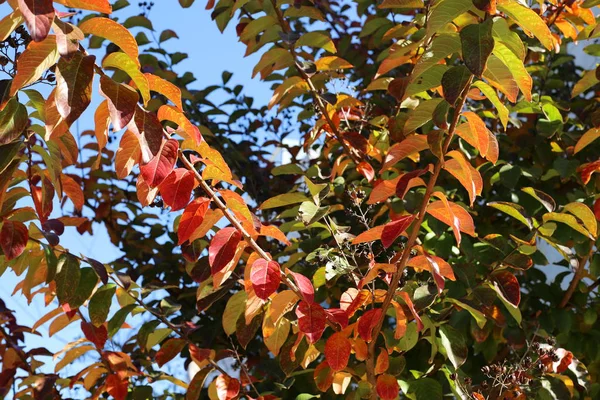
452, 150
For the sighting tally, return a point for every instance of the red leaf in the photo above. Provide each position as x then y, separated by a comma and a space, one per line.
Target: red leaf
393, 229
311, 320
198, 354
367, 322
387, 387
597, 209
323, 376
192, 217
369, 236
410, 145
410, 305
38, 15
159, 167
366, 170
96, 335
177, 188
13, 239
122, 101
265, 277
337, 351
337, 316
509, 285
304, 285
117, 387
405, 179
586, 171
227, 387
169, 350
222, 248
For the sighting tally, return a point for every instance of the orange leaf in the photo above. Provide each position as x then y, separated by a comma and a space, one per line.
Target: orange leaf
454, 222
169, 350
323, 376
439, 211
464, 172
172, 114
410, 145
35, 60
275, 233
166, 88
115, 32
117, 387
101, 121
383, 362
73, 190
128, 154
227, 387
102, 6
121, 100
369, 236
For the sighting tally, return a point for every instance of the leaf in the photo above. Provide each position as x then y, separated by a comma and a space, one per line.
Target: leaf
454, 344
166, 88
277, 338
426, 389
96, 335
111, 30
421, 115
159, 167
265, 277
570, 221
432, 264
454, 82
74, 85
130, 66
393, 229
477, 135
528, 20
13, 121
304, 286
454, 214
331, 63
311, 320
387, 387
13, 239
72, 355
444, 12
367, 322
509, 286
222, 248
227, 387
491, 95
192, 218
169, 350
588, 80
233, 310
35, 60
410, 145
516, 68
587, 138
100, 303
585, 215
401, 4
405, 180
500, 77
173, 114
514, 210
477, 44
128, 154
468, 176
323, 376
102, 6
411, 307
176, 188
316, 39
337, 351
441, 47
546, 200
67, 278
121, 100
9, 23
283, 200
383, 362
38, 15
371, 235
149, 131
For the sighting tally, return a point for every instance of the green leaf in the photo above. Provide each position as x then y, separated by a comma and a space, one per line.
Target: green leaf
516, 68
454, 343
444, 12
309, 212
234, 308
500, 77
8, 153
119, 318
502, 33
426, 81
477, 44
13, 121
586, 82
514, 210
287, 169
283, 200
67, 278
454, 82
441, 47
529, 20
492, 96
569, 220
100, 304
87, 283
480, 318
421, 115
316, 39
157, 336
424, 389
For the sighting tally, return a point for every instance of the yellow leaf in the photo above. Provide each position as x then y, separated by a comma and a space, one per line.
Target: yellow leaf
111, 30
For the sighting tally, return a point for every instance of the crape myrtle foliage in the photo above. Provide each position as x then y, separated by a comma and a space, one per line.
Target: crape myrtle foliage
452, 146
